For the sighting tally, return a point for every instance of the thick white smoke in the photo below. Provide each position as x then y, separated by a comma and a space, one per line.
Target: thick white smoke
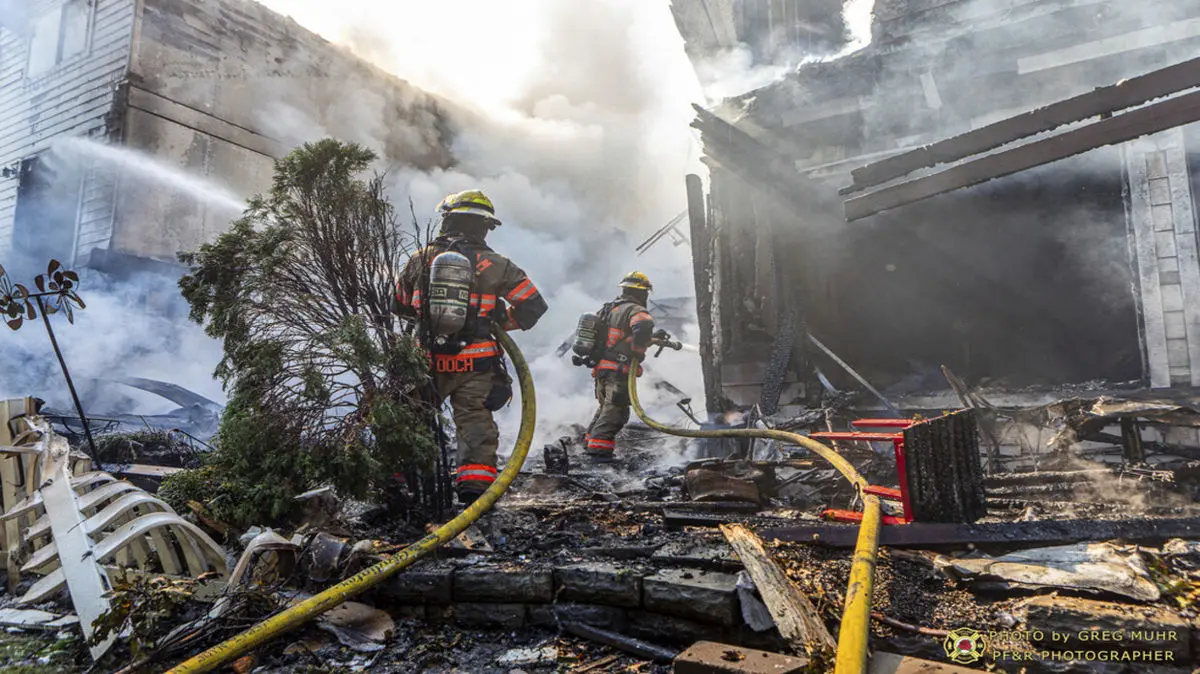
135, 327
118, 335
733, 72
581, 139
580, 134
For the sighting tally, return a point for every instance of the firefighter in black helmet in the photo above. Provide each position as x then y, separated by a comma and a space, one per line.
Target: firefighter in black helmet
630, 329
470, 373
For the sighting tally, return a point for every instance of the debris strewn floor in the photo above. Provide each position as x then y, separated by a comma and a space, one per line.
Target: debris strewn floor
603, 548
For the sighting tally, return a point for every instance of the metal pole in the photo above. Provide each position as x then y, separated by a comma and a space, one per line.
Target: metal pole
87, 431
856, 375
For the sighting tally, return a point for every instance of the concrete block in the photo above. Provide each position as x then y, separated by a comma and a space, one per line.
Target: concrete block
709, 657
499, 585
432, 586
691, 593
1177, 353
1164, 244
707, 552
1168, 264
1163, 217
599, 583
490, 616
1173, 322
1156, 165
551, 615
1172, 298
1160, 192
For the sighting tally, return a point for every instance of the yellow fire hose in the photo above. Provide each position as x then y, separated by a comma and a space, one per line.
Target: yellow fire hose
358, 583
856, 615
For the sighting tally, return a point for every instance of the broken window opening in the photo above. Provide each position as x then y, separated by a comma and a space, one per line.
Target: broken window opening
1021, 282
58, 35
47, 212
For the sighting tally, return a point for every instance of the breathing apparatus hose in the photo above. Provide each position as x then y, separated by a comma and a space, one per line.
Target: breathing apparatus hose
365, 579
856, 614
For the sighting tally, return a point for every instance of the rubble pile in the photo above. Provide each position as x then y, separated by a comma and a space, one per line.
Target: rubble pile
602, 568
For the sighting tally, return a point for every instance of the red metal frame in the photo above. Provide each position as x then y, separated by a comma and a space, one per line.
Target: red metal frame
855, 516
897, 440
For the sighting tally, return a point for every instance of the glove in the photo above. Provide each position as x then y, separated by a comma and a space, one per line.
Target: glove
661, 334
500, 394
511, 322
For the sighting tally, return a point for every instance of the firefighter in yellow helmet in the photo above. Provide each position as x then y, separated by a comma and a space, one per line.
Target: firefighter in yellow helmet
468, 367
630, 329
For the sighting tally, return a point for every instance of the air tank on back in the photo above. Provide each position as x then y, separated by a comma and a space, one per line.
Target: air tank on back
587, 333
450, 278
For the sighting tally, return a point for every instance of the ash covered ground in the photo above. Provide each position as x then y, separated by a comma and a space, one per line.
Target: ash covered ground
625, 516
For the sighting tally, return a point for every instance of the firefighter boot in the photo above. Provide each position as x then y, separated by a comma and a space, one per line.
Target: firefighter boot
598, 450
468, 493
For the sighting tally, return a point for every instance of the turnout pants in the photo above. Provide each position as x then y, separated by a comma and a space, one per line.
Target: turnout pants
612, 413
475, 428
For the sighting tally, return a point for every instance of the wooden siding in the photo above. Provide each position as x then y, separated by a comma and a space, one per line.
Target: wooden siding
75, 97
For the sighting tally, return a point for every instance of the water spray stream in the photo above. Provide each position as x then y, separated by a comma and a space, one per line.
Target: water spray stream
150, 169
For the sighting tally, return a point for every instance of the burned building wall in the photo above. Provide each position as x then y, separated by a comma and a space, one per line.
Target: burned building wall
723, 37
60, 64
222, 88
1034, 279
771, 30
1163, 234
216, 90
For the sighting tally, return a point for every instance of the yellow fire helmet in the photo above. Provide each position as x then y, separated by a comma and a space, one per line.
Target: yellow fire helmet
637, 281
471, 202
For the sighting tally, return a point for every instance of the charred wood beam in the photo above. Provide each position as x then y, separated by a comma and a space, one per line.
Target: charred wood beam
1048, 477
1008, 504
1151, 119
1131, 441
755, 162
702, 240
945, 480
1030, 490
787, 311
641, 649
676, 517
797, 619
1046, 532
1125, 94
